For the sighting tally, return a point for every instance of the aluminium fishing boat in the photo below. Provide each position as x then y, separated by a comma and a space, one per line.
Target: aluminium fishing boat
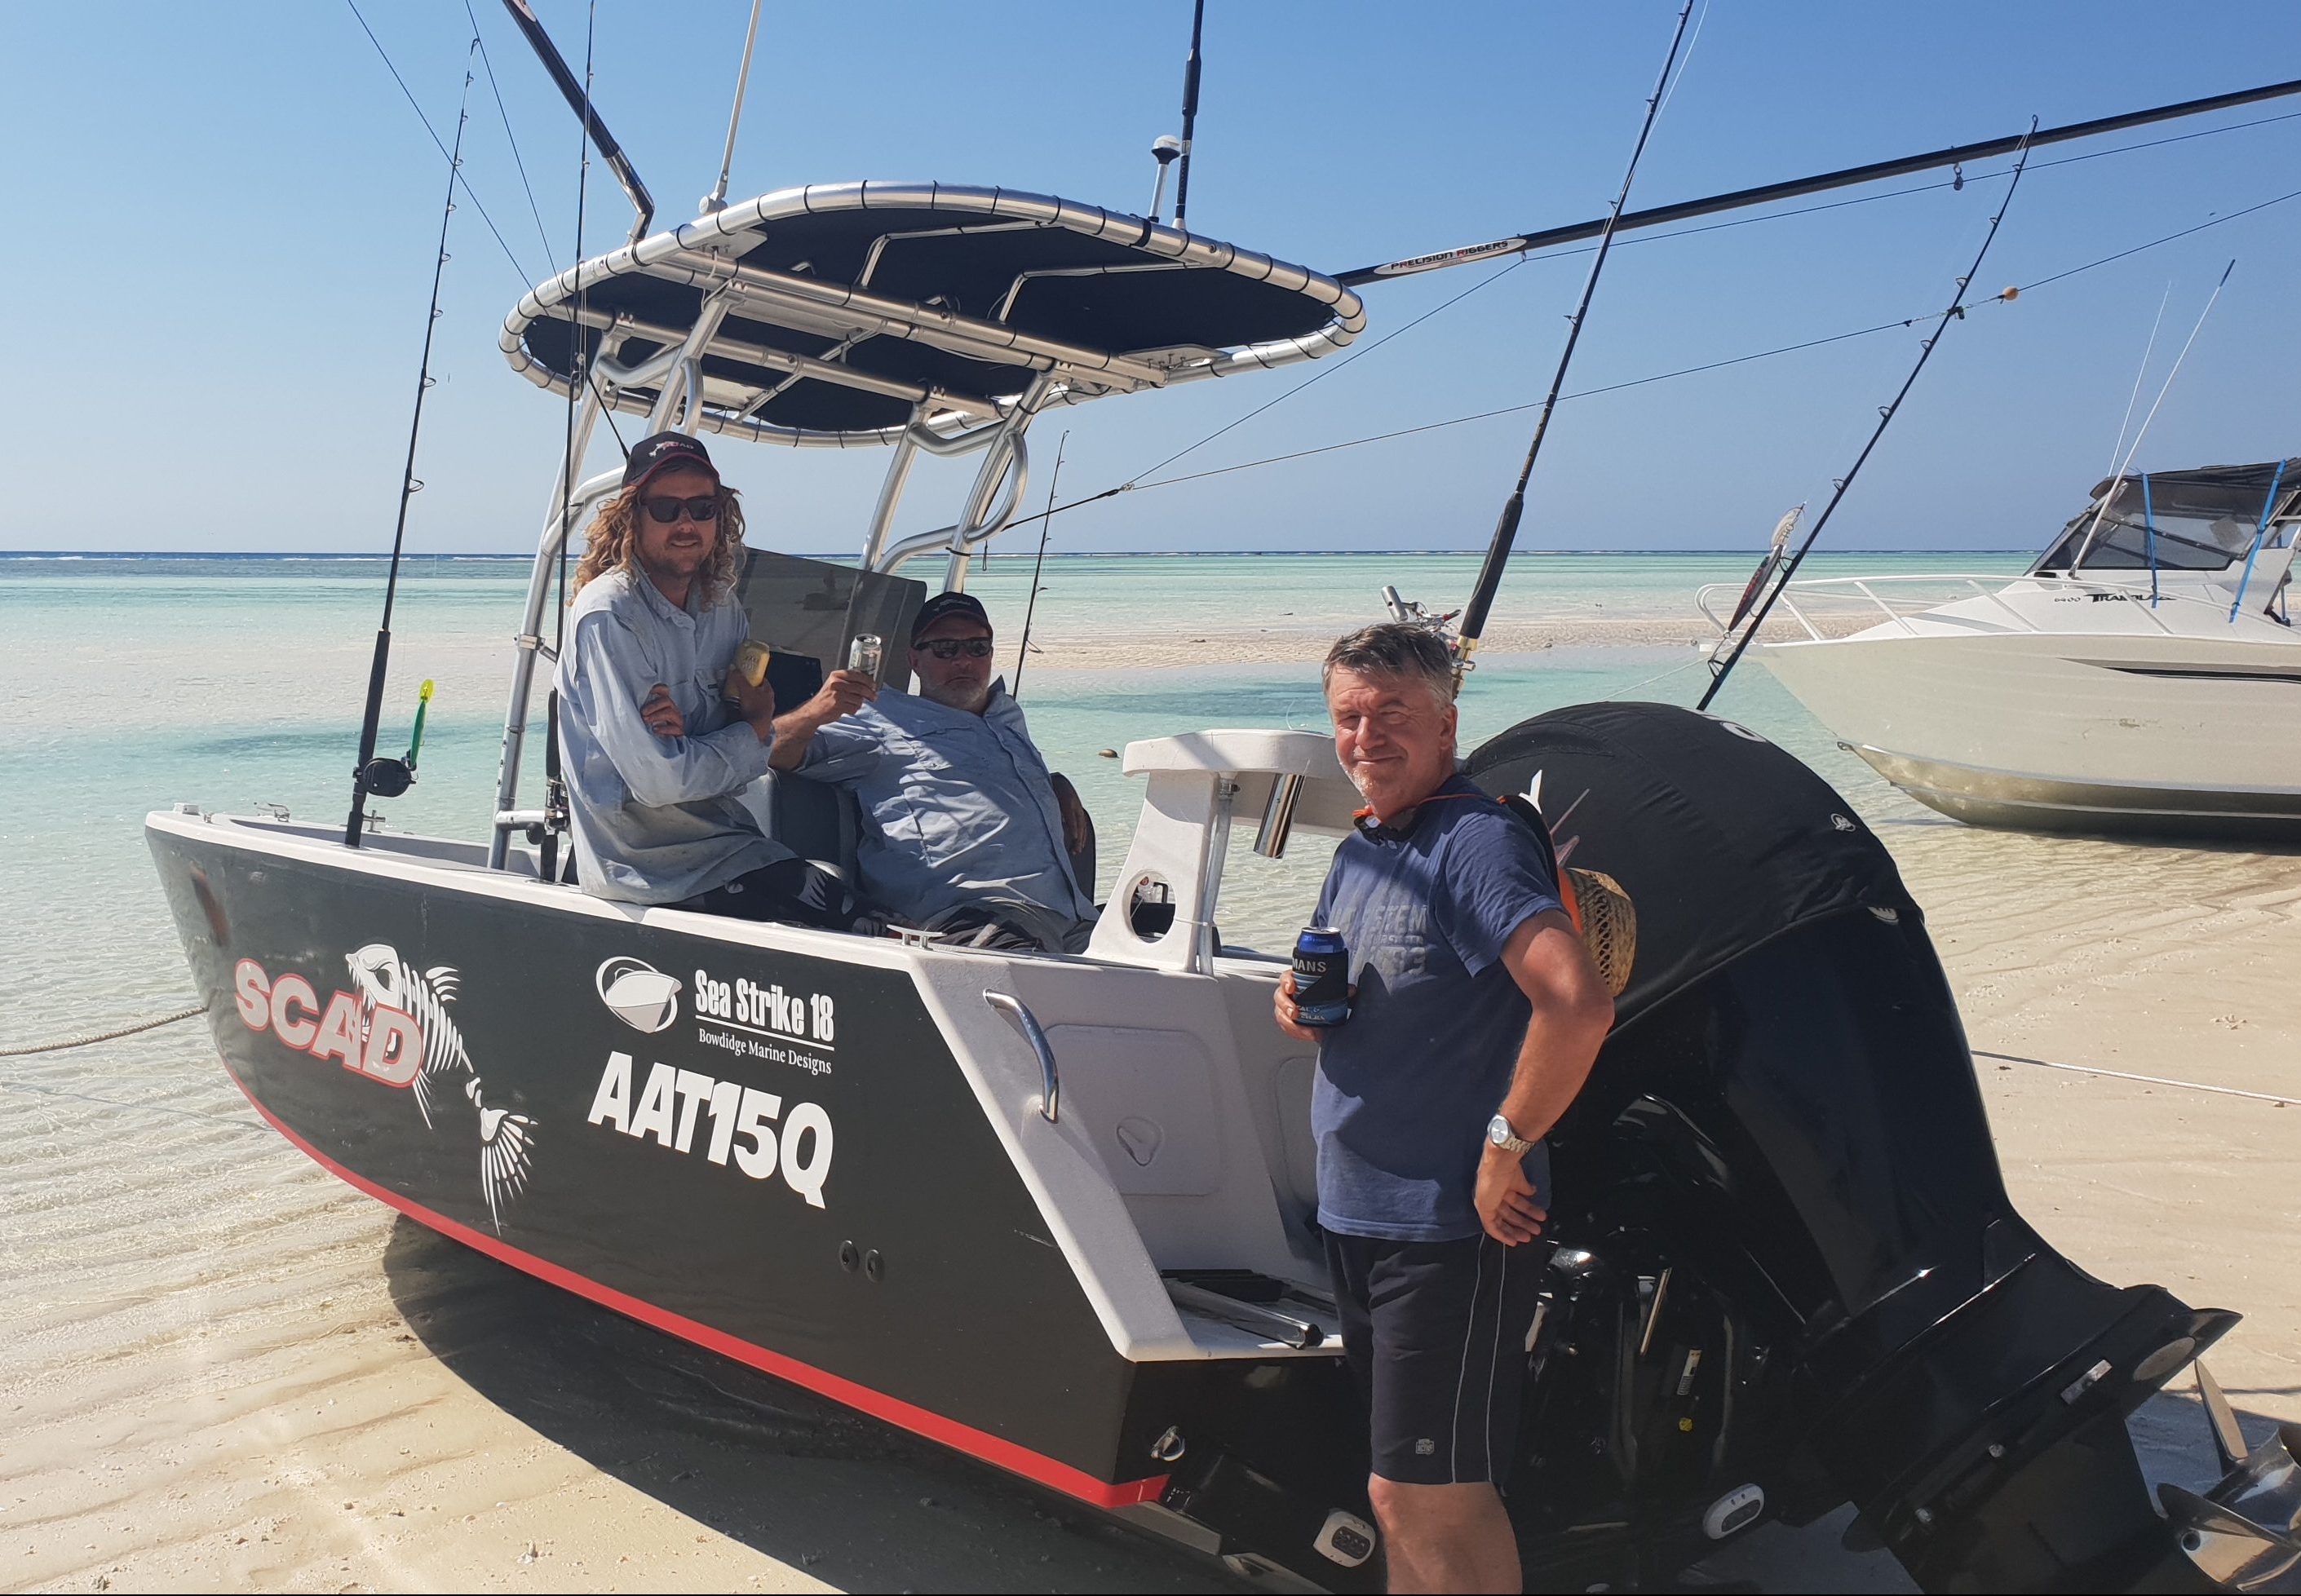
2142, 677
1055, 1212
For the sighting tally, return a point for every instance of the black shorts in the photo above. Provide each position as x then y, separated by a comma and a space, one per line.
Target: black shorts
1435, 1332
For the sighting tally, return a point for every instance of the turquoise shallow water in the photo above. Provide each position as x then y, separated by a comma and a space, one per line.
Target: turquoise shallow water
129, 684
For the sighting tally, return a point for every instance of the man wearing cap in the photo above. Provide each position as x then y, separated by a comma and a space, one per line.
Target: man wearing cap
652, 753
965, 828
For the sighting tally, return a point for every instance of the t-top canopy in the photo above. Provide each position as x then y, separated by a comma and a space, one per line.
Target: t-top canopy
840, 313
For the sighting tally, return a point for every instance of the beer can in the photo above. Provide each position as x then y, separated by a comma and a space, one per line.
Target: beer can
865, 653
1322, 977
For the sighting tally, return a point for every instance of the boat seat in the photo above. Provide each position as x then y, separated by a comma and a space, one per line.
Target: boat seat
814, 818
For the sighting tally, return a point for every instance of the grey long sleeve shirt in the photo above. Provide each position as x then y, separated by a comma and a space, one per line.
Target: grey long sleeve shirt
958, 807
656, 819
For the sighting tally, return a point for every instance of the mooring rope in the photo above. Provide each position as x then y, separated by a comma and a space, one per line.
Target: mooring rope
2095, 1069
105, 1036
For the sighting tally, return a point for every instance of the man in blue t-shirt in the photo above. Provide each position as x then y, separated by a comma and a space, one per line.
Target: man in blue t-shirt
1475, 1015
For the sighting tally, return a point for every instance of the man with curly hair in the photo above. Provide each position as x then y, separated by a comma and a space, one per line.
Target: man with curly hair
652, 751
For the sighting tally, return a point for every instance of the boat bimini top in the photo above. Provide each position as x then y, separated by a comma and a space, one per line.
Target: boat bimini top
845, 313
919, 316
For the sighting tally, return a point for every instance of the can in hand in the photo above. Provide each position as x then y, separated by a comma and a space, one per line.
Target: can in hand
866, 654
750, 664
1322, 977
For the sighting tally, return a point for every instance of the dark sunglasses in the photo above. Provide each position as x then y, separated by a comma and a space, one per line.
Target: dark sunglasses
947, 649
665, 509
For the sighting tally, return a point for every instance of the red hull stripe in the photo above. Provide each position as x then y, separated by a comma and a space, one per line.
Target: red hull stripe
934, 1426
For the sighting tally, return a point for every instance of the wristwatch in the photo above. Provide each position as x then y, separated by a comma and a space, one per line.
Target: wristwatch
1499, 1134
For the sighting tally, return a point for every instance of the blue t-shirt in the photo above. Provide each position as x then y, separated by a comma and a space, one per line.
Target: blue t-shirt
1407, 1084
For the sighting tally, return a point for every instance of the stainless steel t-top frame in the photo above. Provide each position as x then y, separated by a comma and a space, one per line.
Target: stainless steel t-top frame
695, 377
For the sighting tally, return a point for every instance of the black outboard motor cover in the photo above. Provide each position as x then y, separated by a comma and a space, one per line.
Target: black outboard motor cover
1786, 1116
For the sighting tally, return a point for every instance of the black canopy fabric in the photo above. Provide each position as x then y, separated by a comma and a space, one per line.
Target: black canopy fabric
1721, 839
2206, 492
1011, 261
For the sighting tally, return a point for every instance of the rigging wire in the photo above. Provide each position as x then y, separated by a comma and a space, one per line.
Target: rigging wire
510, 137
526, 277
1135, 485
1886, 415
1498, 551
1327, 368
1030, 609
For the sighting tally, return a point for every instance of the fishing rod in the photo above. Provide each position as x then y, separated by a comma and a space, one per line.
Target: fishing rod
1032, 608
578, 97
1190, 111
1498, 551
1845, 177
389, 777
1720, 671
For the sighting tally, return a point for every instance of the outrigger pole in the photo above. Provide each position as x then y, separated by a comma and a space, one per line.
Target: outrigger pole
1886, 413
1498, 551
1846, 177
580, 102
370, 774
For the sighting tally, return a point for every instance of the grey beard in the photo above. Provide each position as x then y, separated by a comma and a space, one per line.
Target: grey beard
966, 700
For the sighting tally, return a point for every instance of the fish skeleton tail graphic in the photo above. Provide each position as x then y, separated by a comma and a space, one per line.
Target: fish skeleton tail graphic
506, 1151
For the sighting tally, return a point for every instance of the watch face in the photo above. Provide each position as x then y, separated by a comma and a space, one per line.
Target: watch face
1499, 1131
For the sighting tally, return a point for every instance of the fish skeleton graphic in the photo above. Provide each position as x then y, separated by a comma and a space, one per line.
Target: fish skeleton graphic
384, 978
506, 1150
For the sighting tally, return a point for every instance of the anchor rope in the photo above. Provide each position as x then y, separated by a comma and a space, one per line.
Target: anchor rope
105, 1036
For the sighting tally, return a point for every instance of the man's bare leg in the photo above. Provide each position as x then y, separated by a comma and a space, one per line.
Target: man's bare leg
1446, 1537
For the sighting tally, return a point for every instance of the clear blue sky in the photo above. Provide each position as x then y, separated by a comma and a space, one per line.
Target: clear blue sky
223, 220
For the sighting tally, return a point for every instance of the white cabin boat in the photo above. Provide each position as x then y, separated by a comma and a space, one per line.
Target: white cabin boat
2142, 676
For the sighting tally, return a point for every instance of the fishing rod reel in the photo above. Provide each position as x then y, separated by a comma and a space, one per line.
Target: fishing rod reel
386, 777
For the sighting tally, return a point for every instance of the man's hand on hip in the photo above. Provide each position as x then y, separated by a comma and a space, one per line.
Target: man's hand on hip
1505, 1198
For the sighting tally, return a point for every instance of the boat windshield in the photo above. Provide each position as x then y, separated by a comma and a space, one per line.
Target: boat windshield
2182, 543
2203, 520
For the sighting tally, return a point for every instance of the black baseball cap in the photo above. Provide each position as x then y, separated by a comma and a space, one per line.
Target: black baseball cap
943, 605
652, 454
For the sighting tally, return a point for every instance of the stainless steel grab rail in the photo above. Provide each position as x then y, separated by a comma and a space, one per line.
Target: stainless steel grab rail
1020, 1015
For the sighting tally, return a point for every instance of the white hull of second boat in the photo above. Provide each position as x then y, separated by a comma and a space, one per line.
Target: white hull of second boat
2097, 732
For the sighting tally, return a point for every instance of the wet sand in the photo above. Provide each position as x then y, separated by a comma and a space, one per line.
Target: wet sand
220, 1368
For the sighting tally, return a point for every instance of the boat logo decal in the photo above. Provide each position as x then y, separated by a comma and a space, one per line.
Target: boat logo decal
636, 993
395, 1027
